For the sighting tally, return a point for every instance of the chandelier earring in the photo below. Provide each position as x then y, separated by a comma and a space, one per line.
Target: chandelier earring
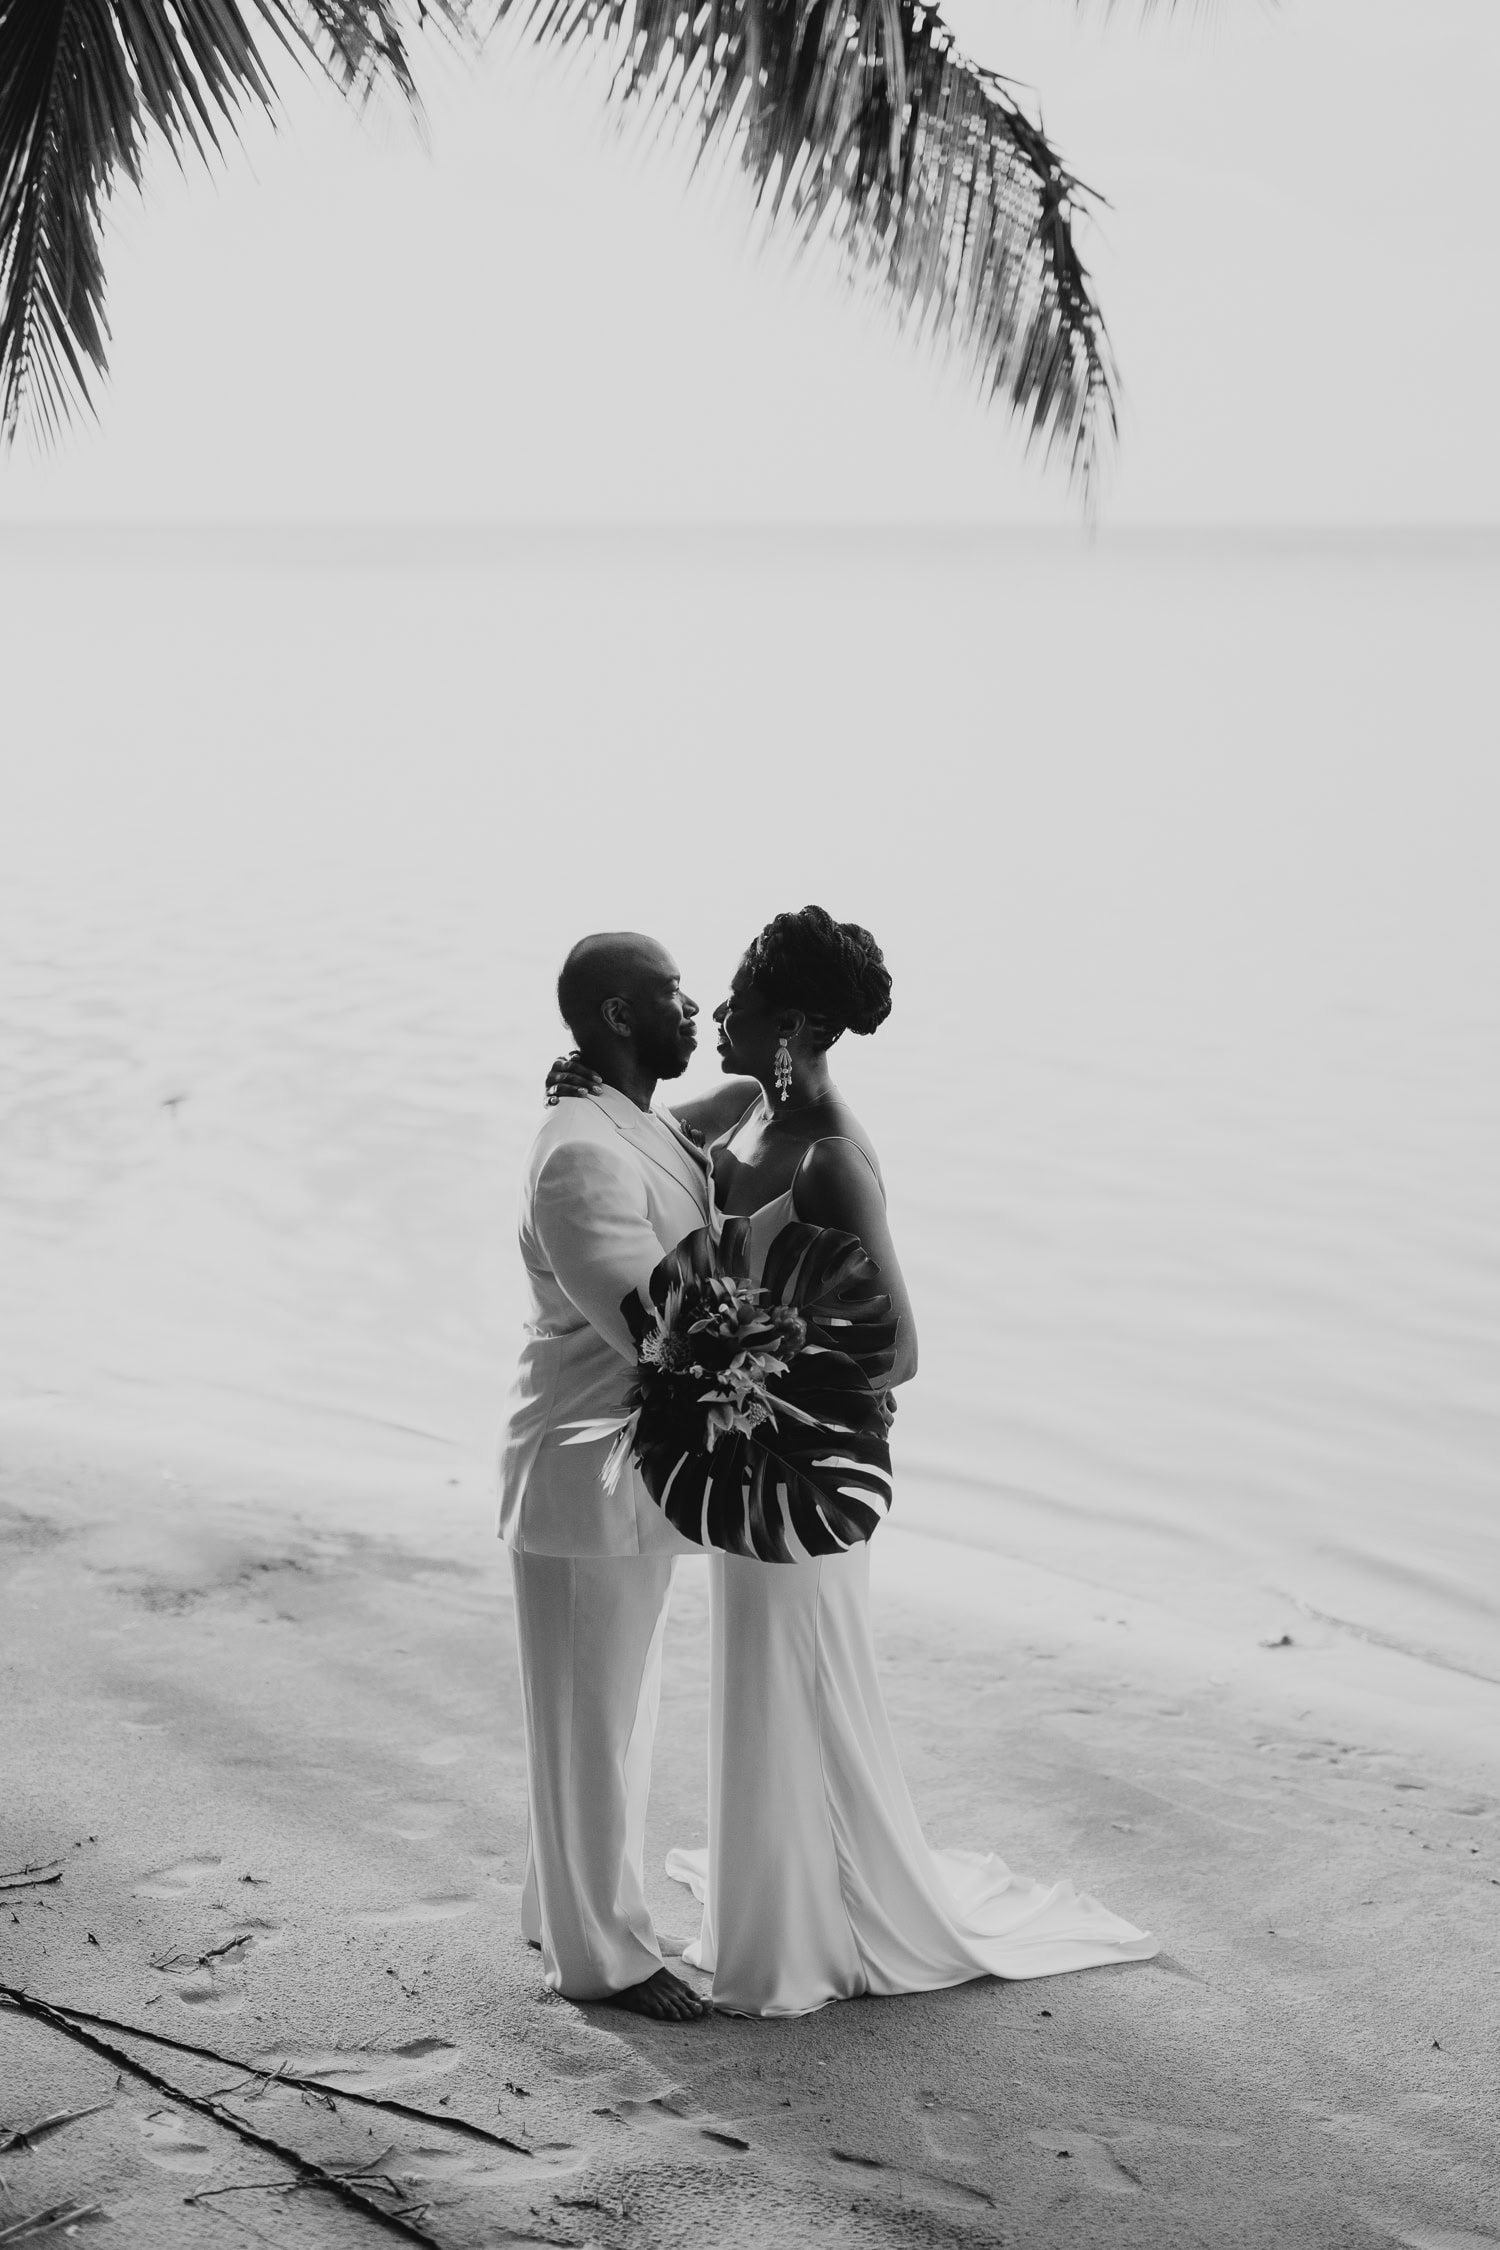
782, 1069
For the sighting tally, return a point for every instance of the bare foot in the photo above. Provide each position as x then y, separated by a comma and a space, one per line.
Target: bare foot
663, 1997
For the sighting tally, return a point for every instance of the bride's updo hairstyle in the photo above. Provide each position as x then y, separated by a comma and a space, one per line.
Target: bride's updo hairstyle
833, 971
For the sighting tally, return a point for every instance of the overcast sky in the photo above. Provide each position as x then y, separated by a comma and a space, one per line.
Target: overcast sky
531, 318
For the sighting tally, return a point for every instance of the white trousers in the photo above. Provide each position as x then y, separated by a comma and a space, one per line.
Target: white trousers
590, 1632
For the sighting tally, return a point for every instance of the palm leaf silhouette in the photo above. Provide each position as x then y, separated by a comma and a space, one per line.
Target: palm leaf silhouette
83, 84
858, 122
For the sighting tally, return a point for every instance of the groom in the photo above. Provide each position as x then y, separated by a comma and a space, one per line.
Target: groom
611, 1184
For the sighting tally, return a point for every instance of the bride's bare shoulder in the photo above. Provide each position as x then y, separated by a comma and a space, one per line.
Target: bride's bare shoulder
839, 1172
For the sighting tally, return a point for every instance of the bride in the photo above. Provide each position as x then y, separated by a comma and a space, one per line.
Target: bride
817, 1883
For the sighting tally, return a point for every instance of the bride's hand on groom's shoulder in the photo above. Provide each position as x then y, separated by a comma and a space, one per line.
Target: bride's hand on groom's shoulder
570, 1074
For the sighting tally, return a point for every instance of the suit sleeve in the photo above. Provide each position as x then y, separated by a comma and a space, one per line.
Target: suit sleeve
593, 1224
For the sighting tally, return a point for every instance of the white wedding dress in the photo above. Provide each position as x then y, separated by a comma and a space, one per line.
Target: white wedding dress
817, 1883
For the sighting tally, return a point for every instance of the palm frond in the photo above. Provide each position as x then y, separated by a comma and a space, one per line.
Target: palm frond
860, 124
82, 85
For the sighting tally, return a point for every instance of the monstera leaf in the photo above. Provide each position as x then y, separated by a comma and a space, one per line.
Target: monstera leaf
825, 1481
813, 1475
696, 1258
833, 1284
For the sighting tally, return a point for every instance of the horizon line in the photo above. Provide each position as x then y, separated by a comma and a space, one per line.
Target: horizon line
772, 526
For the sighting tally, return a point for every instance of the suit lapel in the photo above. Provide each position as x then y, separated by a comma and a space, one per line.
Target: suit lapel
696, 1156
666, 1147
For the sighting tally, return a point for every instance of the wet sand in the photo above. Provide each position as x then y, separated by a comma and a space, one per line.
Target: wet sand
262, 1759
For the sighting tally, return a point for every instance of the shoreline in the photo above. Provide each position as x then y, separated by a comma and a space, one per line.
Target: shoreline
266, 1727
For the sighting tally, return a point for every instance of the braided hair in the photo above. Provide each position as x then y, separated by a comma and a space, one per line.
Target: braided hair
833, 971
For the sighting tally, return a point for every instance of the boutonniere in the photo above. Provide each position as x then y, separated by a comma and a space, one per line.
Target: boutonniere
693, 1133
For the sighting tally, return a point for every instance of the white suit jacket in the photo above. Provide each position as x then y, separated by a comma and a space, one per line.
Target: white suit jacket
608, 1188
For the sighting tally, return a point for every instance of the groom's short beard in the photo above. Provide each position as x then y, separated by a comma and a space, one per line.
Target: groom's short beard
664, 1058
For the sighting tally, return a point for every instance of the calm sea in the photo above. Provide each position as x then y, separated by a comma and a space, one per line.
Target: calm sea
1183, 854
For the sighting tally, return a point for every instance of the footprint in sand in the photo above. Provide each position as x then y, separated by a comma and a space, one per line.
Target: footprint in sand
366, 2070
212, 1982
1089, 2157
911, 2185
255, 1935
252, 1935
442, 1907
173, 2143
178, 1879
210, 1997
486, 2167
663, 2121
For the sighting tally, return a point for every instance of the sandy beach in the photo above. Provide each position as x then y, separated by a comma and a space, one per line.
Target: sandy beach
264, 1813
1189, 1590
473, 551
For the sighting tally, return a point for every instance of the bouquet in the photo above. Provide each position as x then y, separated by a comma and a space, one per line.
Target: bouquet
758, 1416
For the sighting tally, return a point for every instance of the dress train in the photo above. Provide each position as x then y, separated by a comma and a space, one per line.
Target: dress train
817, 1883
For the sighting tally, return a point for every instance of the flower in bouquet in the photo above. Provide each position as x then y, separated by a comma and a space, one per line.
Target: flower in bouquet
757, 1417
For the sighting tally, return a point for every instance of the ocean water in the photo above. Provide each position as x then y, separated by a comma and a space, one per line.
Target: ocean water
1182, 851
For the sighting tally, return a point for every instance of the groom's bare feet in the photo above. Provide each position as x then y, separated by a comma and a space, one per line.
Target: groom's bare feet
663, 1997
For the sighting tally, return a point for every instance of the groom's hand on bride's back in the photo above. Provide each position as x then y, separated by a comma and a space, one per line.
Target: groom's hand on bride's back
570, 1074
